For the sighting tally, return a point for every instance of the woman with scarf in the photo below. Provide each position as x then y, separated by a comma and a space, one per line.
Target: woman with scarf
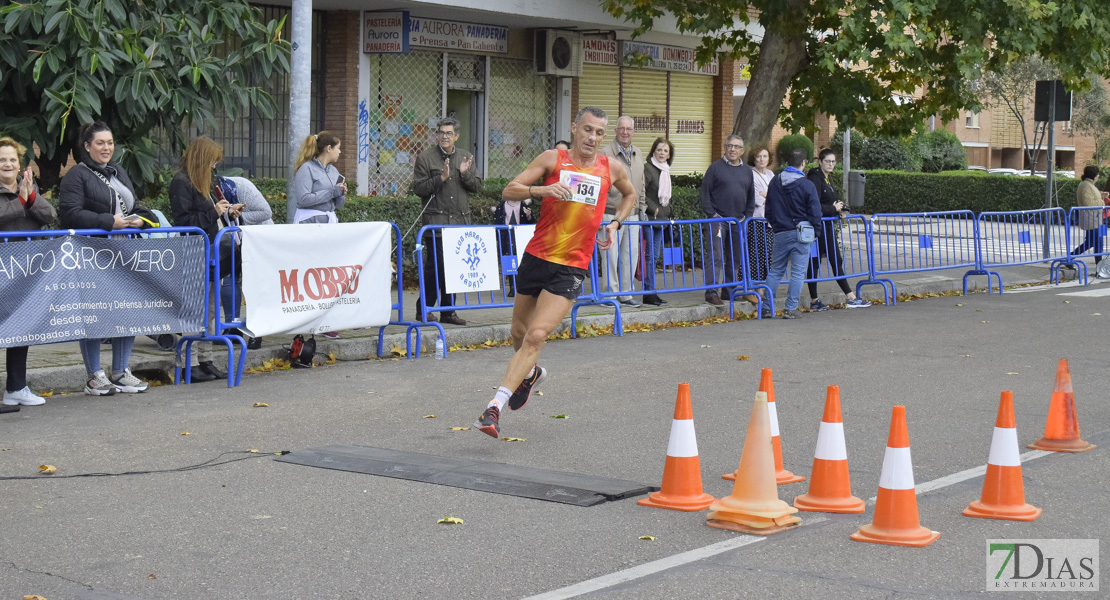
760, 237
658, 191
98, 194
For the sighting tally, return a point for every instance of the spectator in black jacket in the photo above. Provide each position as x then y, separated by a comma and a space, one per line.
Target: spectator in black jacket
727, 190
98, 194
827, 244
21, 209
197, 201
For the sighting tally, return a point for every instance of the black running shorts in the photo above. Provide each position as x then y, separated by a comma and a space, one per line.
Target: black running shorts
535, 275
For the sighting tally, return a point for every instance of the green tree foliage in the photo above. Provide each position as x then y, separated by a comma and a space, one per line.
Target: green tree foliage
940, 150
1092, 117
789, 142
153, 70
879, 66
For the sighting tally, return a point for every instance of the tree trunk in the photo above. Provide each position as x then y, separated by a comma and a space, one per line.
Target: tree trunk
49, 173
781, 58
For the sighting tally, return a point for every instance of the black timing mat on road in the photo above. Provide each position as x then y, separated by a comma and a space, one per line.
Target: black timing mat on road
497, 478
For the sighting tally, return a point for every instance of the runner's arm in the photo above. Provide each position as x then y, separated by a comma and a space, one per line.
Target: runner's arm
523, 186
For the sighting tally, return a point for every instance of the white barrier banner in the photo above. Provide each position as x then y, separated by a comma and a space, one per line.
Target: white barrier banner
313, 278
524, 235
470, 259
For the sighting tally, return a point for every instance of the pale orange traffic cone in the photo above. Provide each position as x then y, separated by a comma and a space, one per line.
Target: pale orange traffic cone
830, 488
1061, 430
681, 489
1003, 491
754, 505
782, 476
896, 521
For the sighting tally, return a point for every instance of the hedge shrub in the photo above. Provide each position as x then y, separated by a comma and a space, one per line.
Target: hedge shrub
887, 153
895, 191
940, 151
788, 143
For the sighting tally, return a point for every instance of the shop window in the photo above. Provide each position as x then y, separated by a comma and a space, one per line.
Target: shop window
521, 116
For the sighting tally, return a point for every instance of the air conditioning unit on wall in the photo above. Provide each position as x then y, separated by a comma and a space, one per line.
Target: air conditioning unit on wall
558, 53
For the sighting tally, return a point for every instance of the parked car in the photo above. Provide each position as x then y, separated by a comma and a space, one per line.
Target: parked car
1005, 172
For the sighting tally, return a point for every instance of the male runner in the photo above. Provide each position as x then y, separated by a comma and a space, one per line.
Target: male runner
574, 186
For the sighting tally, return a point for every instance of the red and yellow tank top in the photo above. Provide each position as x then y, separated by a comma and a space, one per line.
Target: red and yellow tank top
567, 229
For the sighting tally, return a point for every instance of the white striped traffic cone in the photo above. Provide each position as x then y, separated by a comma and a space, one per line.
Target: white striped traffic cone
681, 489
1003, 491
830, 487
896, 521
782, 476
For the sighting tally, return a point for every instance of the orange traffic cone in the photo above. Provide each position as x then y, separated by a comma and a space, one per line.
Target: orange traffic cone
830, 488
896, 522
681, 489
1003, 491
782, 476
754, 505
1061, 430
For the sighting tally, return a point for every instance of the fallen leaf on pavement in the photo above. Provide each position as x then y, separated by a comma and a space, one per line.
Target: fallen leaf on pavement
650, 538
253, 450
185, 433
261, 404
47, 469
47, 394
539, 393
1011, 373
742, 357
706, 346
429, 416
512, 439
397, 350
460, 429
331, 359
450, 521
559, 417
34, 598
152, 576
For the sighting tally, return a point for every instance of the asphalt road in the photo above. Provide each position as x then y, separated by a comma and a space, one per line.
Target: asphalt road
261, 529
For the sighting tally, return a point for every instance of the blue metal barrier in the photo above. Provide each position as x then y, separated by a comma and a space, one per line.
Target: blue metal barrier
1007, 239
428, 253
212, 290
185, 340
714, 244
916, 242
1086, 232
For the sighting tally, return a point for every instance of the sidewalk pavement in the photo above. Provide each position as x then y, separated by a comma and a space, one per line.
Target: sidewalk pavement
58, 367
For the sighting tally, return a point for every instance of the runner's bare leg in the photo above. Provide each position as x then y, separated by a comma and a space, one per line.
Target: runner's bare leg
547, 312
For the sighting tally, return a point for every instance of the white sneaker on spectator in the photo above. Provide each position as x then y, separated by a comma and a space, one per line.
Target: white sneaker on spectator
24, 396
99, 385
129, 384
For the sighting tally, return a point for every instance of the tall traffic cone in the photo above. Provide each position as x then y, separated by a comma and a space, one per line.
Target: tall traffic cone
896, 522
1061, 430
754, 505
830, 488
1003, 491
782, 476
681, 489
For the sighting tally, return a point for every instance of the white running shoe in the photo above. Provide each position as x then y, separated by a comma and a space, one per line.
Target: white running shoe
99, 385
24, 396
129, 384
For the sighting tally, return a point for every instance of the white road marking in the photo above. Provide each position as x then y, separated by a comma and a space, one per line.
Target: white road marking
1096, 293
682, 558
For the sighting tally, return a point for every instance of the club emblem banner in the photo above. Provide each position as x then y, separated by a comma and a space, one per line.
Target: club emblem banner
314, 278
470, 259
73, 287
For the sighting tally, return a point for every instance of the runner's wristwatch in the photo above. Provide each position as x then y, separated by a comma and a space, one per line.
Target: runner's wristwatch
618, 222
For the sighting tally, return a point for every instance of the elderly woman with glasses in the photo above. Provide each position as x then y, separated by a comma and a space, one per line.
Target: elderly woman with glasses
828, 244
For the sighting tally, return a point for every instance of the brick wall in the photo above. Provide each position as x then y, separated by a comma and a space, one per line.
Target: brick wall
340, 90
722, 104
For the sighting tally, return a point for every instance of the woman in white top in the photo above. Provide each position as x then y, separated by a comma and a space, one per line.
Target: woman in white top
759, 232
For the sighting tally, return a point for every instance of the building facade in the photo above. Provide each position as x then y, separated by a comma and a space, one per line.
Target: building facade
512, 72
